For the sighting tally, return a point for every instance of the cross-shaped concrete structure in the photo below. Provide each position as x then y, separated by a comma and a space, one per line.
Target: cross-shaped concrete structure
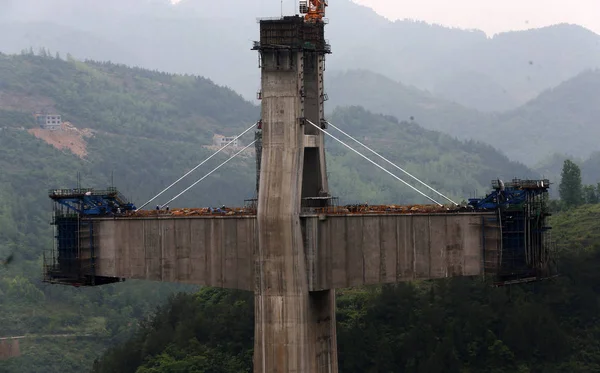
296, 248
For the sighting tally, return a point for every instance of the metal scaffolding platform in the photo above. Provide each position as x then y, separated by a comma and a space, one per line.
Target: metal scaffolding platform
72, 258
522, 212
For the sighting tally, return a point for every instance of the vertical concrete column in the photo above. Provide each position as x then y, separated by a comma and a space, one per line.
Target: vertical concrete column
315, 173
282, 342
294, 329
314, 184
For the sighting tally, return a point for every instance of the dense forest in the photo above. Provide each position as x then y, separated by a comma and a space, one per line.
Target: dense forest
149, 128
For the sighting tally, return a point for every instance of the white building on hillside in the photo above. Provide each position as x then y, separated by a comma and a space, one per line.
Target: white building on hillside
49, 121
221, 141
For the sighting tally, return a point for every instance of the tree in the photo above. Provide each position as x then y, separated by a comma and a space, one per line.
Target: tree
570, 189
590, 194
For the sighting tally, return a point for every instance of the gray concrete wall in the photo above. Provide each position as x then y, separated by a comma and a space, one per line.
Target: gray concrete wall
339, 251
283, 318
217, 251
355, 250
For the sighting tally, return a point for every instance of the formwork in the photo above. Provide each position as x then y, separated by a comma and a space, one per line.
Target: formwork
72, 257
292, 33
521, 209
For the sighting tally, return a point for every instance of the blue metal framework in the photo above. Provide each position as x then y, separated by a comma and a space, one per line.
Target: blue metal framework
73, 258
90, 202
522, 212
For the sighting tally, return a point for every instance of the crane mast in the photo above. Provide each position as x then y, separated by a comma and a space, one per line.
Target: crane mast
314, 10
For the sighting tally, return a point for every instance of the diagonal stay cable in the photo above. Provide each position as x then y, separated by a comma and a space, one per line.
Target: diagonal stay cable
208, 174
392, 163
365, 157
195, 168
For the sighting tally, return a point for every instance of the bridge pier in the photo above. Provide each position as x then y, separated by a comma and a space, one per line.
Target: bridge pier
294, 328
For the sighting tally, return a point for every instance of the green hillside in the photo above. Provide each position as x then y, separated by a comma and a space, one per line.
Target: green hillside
461, 169
145, 118
451, 326
149, 128
577, 229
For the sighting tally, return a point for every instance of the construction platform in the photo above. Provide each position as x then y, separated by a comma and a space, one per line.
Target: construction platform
101, 238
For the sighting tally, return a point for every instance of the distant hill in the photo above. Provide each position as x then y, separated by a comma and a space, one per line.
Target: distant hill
439, 159
381, 94
563, 119
552, 167
514, 67
196, 36
134, 110
122, 100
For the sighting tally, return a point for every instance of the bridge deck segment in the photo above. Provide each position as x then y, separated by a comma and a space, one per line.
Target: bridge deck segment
340, 250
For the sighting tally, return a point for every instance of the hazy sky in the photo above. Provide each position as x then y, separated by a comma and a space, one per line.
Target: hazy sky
492, 16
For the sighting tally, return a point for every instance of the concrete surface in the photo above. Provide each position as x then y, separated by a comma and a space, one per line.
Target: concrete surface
338, 251
354, 250
216, 252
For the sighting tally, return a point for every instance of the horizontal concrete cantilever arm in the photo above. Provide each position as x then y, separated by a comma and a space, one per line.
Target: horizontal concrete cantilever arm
341, 250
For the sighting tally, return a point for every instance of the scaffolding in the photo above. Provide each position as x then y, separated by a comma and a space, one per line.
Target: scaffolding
292, 33
72, 259
526, 251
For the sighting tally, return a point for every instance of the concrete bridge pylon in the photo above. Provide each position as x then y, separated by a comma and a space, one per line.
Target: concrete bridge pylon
295, 327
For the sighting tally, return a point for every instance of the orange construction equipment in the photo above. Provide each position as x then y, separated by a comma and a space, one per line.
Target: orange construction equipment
314, 9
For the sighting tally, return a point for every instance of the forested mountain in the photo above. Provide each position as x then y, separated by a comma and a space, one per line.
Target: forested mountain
495, 73
437, 158
384, 95
147, 128
562, 119
451, 326
130, 107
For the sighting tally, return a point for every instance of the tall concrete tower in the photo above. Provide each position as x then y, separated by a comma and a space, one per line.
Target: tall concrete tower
295, 327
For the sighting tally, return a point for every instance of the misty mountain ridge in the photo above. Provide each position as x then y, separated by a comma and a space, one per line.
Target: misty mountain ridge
564, 118
196, 36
